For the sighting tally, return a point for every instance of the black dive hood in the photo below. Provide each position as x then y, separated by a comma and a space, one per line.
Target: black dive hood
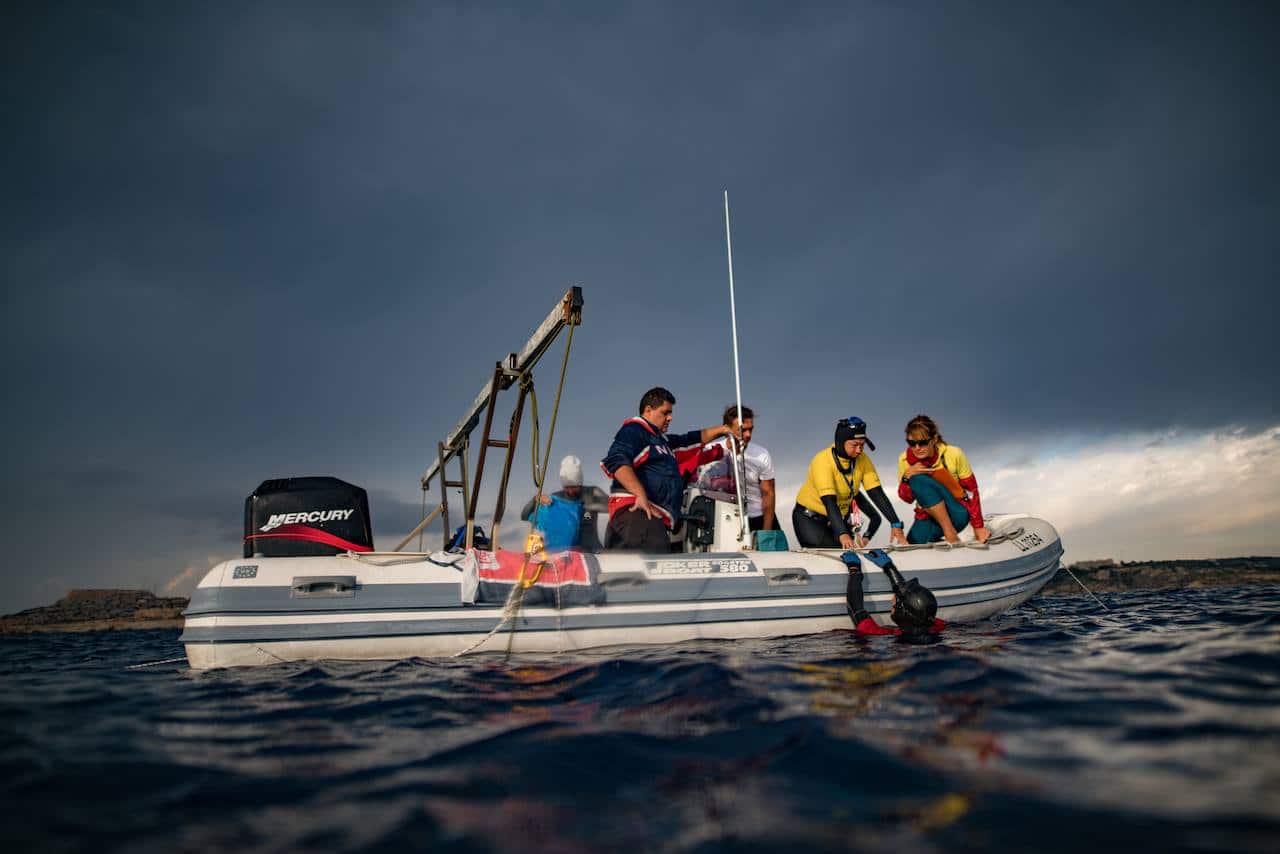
852, 427
914, 605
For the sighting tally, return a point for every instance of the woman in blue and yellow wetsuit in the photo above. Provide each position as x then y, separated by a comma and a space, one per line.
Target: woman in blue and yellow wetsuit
937, 477
836, 473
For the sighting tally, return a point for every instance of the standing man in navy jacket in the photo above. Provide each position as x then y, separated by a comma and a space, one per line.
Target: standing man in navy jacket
644, 464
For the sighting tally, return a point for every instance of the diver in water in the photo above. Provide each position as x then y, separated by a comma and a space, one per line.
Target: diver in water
915, 609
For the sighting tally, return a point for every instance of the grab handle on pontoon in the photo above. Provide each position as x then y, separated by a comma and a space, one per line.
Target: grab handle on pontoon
624, 579
779, 576
323, 586
1002, 537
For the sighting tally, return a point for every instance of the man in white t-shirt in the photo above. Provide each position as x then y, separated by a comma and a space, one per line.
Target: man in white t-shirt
759, 488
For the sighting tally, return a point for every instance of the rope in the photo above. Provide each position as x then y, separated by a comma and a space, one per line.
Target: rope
401, 558
515, 599
422, 529
272, 654
511, 634
523, 584
156, 663
509, 609
526, 383
540, 467
422, 526
818, 553
941, 545
1085, 589
559, 608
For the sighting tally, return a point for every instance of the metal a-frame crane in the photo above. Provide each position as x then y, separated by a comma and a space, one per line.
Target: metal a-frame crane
515, 368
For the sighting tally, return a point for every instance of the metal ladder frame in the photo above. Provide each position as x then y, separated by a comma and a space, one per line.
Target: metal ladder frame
517, 366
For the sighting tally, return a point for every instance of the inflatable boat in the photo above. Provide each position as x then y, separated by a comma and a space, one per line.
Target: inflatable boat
311, 586
364, 604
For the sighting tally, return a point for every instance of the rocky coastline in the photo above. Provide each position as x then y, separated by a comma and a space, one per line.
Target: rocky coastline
118, 610
1107, 576
98, 611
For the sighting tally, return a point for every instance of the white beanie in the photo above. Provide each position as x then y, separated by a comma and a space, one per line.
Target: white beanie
571, 471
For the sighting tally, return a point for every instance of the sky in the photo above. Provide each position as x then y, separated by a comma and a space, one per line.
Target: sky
244, 241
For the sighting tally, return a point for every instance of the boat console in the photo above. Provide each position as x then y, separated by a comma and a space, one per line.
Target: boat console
711, 522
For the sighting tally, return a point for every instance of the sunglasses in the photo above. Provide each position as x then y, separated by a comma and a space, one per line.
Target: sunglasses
919, 443
853, 421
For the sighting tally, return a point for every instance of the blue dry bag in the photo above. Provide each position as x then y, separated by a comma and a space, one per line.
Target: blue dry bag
459, 538
771, 541
558, 523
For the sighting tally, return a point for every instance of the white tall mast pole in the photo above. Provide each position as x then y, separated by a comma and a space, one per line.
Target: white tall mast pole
737, 384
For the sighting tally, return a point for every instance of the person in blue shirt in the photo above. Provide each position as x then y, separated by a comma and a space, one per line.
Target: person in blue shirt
592, 499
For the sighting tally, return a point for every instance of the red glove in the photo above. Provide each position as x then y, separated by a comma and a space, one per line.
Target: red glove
937, 627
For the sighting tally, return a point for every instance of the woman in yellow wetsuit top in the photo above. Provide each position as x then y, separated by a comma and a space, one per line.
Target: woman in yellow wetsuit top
937, 477
836, 473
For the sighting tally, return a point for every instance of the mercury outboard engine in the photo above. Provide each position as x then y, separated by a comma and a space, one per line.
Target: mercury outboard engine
305, 517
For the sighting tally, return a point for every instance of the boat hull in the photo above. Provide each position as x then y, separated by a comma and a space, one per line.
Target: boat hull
411, 606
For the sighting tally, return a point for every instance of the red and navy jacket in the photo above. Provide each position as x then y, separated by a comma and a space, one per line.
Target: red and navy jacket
656, 458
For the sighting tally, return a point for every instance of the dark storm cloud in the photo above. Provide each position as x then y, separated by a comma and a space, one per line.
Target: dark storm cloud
133, 499
96, 480
242, 241
394, 517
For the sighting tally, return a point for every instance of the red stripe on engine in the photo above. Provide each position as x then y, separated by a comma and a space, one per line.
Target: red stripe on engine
314, 535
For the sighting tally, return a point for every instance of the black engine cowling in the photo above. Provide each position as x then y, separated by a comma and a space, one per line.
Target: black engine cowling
306, 516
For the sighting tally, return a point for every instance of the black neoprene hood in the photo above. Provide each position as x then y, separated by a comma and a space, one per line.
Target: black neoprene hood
914, 606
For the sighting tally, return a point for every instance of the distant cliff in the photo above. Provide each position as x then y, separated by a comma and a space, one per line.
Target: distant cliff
1111, 577
98, 610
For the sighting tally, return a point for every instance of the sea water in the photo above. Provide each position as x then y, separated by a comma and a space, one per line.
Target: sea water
1153, 726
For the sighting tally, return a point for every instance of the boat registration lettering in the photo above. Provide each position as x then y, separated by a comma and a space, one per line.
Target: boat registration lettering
1028, 541
699, 566
247, 571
